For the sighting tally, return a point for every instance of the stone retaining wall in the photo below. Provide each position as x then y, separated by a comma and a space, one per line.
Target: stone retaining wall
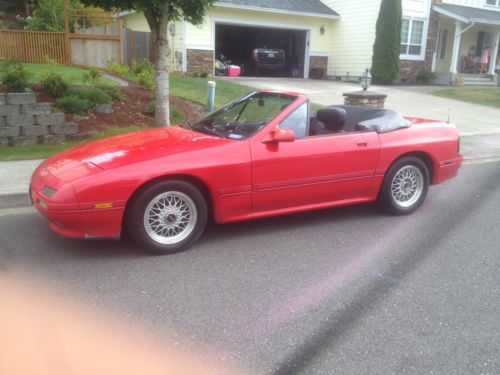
23, 121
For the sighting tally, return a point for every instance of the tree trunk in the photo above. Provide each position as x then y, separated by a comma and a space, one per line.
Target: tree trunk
27, 8
158, 23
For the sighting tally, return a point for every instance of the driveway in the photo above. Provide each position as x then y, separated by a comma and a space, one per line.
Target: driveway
471, 119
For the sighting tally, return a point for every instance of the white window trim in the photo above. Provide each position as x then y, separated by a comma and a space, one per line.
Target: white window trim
425, 32
494, 6
440, 44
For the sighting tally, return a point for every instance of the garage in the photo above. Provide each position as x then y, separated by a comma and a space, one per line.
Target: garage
263, 51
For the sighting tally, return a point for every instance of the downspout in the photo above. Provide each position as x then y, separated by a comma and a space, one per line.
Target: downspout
467, 28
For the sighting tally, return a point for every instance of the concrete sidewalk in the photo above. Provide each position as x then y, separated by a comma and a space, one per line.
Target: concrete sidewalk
416, 101
15, 175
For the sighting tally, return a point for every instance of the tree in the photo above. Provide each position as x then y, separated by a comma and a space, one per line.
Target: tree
158, 13
386, 49
48, 15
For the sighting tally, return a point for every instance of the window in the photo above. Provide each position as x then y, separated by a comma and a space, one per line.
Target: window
495, 3
442, 44
297, 121
412, 38
245, 116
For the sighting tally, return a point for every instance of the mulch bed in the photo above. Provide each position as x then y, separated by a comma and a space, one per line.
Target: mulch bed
131, 111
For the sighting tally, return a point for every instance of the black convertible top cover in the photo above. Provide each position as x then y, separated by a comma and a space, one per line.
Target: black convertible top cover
372, 119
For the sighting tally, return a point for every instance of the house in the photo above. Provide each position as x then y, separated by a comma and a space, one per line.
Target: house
337, 36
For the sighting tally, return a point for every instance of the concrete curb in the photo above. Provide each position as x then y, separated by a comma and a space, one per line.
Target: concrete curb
15, 200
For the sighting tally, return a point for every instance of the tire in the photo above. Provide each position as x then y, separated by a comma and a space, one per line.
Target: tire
405, 186
167, 217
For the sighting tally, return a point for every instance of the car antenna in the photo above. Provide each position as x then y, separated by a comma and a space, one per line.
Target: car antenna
448, 115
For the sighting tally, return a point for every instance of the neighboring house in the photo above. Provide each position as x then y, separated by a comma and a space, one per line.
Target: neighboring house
337, 36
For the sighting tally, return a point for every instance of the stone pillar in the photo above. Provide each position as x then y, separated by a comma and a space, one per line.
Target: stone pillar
365, 99
200, 61
494, 53
455, 58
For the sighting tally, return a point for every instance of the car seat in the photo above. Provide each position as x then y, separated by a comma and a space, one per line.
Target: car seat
328, 121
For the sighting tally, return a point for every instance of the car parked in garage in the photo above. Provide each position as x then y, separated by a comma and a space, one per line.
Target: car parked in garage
269, 59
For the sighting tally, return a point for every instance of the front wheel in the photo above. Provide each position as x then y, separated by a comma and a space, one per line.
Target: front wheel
405, 186
167, 217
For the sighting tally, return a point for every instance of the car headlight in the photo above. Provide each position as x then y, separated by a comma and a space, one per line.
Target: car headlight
48, 191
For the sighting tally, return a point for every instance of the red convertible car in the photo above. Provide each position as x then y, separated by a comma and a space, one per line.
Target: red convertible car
261, 155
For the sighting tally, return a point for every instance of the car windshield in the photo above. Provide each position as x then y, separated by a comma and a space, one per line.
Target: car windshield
245, 116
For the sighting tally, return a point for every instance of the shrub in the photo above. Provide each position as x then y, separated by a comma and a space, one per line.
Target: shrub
150, 108
204, 75
425, 76
147, 78
54, 84
139, 66
92, 75
114, 91
117, 68
386, 49
73, 104
93, 95
15, 76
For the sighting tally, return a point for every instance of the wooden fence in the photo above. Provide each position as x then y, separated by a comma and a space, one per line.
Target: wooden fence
92, 39
33, 46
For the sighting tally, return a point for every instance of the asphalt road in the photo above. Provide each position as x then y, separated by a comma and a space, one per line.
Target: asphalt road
347, 290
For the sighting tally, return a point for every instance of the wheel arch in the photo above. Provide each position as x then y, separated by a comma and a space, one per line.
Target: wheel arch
426, 159
195, 181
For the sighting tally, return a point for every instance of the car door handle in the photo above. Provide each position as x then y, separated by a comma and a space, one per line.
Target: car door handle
362, 143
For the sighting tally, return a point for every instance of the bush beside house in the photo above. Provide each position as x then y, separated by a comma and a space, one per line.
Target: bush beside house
386, 49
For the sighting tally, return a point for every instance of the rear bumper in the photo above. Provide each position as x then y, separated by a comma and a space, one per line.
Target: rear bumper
448, 169
270, 65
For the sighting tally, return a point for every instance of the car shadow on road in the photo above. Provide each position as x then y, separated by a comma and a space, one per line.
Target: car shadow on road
291, 222
215, 233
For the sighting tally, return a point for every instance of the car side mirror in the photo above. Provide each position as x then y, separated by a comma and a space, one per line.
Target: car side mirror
279, 135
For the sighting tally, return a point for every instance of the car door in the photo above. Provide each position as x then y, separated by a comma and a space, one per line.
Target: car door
312, 169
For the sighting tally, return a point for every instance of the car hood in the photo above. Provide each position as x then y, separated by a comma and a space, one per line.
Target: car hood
127, 149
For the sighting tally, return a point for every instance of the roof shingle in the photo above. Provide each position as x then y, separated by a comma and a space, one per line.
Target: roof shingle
301, 6
472, 14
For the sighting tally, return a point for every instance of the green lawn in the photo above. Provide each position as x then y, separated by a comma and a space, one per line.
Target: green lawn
487, 96
72, 74
42, 151
195, 89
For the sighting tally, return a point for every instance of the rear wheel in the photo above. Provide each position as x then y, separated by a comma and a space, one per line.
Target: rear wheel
167, 217
405, 186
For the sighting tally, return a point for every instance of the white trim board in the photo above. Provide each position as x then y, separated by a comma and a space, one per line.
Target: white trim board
279, 11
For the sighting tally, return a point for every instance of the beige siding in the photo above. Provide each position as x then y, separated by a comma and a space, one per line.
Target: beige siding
353, 36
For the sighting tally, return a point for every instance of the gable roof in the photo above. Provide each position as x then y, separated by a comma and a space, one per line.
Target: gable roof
305, 7
468, 14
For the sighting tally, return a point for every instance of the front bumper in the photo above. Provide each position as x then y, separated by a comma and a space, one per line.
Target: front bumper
67, 217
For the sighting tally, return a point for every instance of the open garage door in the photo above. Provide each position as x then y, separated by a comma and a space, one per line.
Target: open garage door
263, 51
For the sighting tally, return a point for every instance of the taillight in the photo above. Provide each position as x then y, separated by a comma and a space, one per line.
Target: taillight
254, 55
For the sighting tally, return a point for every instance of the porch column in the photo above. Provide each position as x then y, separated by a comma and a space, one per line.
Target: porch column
494, 53
456, 47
